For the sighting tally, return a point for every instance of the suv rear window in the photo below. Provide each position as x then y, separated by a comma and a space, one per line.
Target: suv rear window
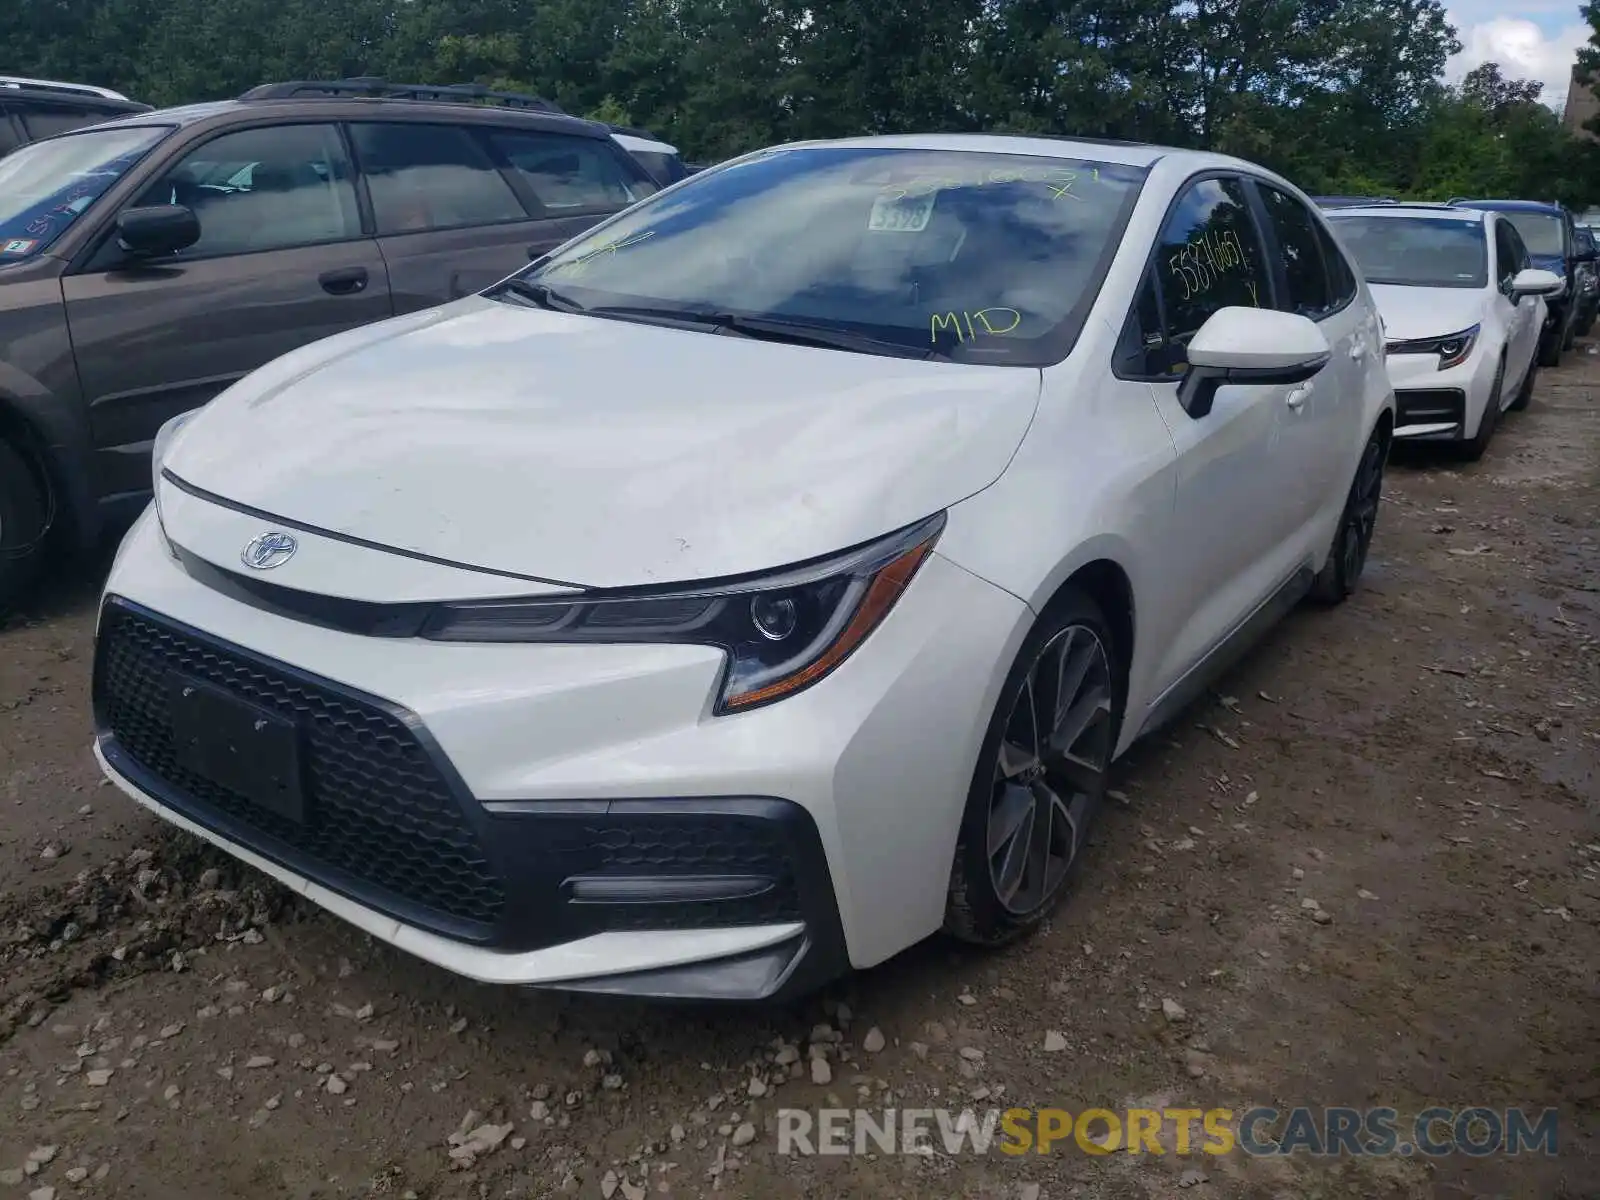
46, 186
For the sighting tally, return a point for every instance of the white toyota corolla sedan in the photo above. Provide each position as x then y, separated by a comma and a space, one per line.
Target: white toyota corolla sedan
762, 581
1463, 309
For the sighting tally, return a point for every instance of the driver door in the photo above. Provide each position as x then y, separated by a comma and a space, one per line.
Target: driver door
1232, 540
1523, 316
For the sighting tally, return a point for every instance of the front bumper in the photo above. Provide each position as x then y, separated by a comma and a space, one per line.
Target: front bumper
1435, 405
572, 816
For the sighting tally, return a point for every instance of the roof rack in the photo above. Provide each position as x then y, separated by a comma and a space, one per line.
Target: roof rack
372, 87
17, 82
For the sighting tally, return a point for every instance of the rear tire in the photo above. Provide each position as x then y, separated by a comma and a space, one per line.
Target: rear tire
1351, 541
1472, 450
1040, 780
1550, 350
24, 507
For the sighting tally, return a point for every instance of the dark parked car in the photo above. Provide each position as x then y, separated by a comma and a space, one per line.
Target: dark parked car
31, 109
1588, 281
149, 262
1550, 234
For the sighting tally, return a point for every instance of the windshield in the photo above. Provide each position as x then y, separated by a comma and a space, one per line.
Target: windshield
1416, 251
46, 186
1541, 233
974, 256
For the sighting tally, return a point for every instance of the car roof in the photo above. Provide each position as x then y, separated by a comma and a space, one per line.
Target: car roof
355, 108
67, 92
1109, 150
1543, 206
1425, 212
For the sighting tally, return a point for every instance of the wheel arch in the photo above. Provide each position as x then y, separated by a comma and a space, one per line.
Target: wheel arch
56, 469
1108, 584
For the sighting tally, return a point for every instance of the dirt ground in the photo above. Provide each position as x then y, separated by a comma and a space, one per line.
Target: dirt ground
1367, 871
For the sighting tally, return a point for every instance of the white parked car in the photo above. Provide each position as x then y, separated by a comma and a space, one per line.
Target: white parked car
1462, 310
763, 581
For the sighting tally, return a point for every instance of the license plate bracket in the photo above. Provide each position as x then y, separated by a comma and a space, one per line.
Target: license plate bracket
236, 744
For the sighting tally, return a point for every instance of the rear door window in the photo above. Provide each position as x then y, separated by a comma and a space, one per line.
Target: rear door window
423, 177
1299, 253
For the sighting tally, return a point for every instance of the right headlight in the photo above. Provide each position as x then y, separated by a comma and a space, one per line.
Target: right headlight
1453, 349
781, 632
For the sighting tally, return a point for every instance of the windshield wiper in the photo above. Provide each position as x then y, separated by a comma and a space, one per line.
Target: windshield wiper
543, 295
776, 329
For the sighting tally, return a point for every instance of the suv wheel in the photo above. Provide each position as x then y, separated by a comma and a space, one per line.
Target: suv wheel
1041, 776
23, 523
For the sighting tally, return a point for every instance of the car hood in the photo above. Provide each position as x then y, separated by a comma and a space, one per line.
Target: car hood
1424, 312
601, 453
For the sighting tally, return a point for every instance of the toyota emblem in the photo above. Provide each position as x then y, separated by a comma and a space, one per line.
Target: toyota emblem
268, 550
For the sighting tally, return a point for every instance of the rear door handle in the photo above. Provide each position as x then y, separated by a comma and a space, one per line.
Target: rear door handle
1297, 398
1358, 350
346, 281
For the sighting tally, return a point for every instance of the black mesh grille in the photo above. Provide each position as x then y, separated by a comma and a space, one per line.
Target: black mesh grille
378, 808
697, 844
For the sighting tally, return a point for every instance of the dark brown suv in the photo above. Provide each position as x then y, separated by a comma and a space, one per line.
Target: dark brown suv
148, 262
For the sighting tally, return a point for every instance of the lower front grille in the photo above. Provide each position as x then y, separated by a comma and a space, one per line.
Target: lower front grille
1430, 406
658, 849
382, 816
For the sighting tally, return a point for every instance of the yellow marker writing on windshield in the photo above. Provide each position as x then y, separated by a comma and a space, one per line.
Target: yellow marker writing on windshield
991, 322
583, 260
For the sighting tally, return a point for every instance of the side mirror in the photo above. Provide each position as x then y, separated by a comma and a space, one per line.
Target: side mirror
1249, 346
158, 229
1534, 282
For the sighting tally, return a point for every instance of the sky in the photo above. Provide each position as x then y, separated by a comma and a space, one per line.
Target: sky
1533, 39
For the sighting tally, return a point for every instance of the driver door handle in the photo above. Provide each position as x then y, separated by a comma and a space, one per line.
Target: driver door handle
1298, 397
1358, 349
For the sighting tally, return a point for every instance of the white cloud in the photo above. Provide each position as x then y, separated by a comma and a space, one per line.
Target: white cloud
1525, 49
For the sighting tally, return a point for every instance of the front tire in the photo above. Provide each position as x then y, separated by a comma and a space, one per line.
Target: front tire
1348, 555
23, 516
1040, 781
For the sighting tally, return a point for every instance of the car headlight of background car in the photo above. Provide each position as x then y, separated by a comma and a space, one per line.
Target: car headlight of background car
1453, 349
781, 632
